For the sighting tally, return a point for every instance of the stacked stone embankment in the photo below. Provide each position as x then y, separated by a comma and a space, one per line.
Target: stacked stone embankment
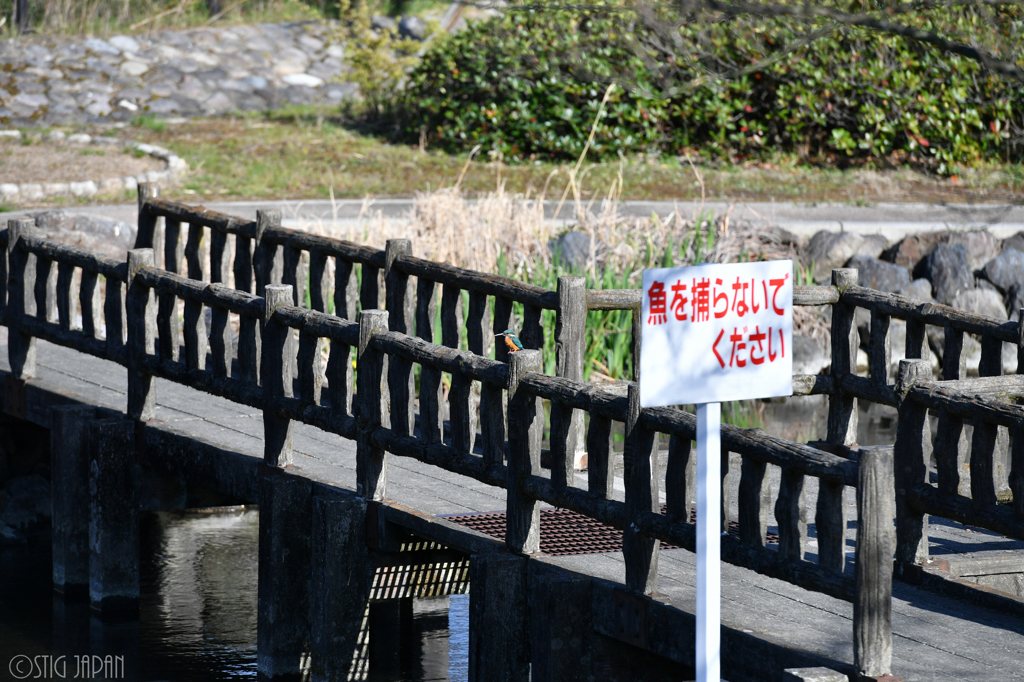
971, 270
47, 80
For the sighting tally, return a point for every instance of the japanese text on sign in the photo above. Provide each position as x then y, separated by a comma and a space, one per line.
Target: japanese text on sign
716, 332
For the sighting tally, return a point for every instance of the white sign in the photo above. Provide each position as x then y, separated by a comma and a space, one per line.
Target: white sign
713, 333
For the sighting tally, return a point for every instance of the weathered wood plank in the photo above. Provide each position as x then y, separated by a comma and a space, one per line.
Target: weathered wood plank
477, 282
872, 604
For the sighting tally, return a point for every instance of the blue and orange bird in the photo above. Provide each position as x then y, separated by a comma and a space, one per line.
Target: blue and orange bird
511, 340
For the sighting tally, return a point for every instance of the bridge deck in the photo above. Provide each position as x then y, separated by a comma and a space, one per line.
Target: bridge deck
935, 638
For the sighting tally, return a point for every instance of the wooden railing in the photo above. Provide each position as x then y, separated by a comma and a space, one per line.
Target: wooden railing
278, 369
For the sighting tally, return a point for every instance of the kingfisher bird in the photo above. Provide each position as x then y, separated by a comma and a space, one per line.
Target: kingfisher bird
511, 340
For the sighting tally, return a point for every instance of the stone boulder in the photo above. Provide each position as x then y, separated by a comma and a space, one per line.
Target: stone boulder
413, 28
809, 355
829, 250
982, 246
1014, 242
572, 249
874, 245
909, 251
1006, 269
919, 290
948, 270
878, 274
110, 237
1015, 300
981, 302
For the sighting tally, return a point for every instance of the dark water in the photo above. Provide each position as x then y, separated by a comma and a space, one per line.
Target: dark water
197, 613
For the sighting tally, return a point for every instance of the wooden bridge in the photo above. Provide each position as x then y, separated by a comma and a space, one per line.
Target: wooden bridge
359, 473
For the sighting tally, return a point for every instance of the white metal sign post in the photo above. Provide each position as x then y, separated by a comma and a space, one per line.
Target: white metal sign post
713, 333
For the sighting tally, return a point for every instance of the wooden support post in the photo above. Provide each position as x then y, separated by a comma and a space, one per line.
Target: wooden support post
196, 338
872, 604
791, 514
371, 461
401, 308
21, 300
69, 497
526, 420
114, 519
141, 310
842, 408
168, 323
913, 450
754, 500
342, 575
431, 391
681, 479
570, 348
499, 641
601, 457
640, 551
268, 261
561, 629
339, 365
282, 618
277, 367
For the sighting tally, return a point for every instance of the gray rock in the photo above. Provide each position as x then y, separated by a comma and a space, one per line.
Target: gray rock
163, 106
125, 43
380, 22
981, 302
809, 355
1014, 242
218, 103
310, 44
101, 47
416, 29
31, 88
981, 246
99, 108
947, 269
919, 289
572, 249
878, 274
1006, 269
829, 250
1015, 300
909, 251
34, 100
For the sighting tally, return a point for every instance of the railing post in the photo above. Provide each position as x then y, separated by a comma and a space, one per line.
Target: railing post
21, 300
913, 450
1017, 454
140, 309
268, 261
570, 347
114, 518
431, 391
681, 479
371, 394
400, 307
339, 365
872, 605
639, 550
277, 364
69, 497
526, 421
842, 408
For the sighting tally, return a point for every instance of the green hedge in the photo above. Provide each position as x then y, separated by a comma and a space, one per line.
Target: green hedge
529, 84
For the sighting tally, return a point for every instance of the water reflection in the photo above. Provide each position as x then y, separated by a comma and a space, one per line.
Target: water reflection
198, 574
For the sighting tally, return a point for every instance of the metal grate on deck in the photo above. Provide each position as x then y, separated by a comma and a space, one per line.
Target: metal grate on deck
564, 532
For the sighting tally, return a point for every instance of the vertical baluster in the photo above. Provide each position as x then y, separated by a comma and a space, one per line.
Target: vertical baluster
168, 324
21, 299
917, 338
999, 468
294, 273
339, 365
791, 515
639, 550
951, 442
459, 414
371, 461
478, 342
277, 369
401, 309
680, 478
562, 469
726, 490
220, 327
983, 452
570, 342
89, 302
492, 412
196, 339
114, 314
4, 269
842, 407
636, 334
830, 522
754, 500
146, 236
532, 334
369, 287
46, 290
1017, 455
872, 603
319, 282
526, 419
310, 366
431, 419
243, 265
881, 348
67, 302
268, 257
601, 457
250, 349
913, 451
502, 321
141, 310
